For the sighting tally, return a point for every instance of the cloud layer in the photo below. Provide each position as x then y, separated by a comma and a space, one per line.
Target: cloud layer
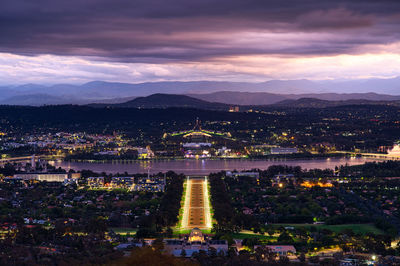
161, 40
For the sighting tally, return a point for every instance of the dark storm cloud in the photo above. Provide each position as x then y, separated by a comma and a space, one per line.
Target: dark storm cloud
161, 30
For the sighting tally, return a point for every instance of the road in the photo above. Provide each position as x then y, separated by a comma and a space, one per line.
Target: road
373, 155
196, 209
27, 158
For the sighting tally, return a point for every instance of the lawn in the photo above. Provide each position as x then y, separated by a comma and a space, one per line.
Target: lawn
180, 217
357, 228
249, 234
124, 231
178, 231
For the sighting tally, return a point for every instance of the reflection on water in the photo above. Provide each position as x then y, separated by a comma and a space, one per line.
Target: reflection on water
203, 167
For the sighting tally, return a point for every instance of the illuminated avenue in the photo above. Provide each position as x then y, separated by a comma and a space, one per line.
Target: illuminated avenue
196, 209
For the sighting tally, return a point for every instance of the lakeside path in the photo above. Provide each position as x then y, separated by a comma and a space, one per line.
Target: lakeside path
196, 208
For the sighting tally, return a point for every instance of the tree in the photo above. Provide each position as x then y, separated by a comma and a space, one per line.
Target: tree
212, 252
96, 225
229, 238
148, 256
285, 237
284, 260
302, 257
169, 232
158, 244
183, 253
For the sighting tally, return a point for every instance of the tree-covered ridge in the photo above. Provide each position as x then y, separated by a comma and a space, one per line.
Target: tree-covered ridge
344, 127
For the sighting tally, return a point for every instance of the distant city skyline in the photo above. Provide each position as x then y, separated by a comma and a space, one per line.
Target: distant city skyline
74, 42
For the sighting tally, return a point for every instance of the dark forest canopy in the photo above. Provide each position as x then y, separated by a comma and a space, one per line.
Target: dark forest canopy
63, 115
347, 127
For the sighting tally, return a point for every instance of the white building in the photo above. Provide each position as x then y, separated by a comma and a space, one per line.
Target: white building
194, 242
49, 177
239, 174
150, 184
280, 150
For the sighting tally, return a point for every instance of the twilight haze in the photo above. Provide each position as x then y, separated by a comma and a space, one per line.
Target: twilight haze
78, 41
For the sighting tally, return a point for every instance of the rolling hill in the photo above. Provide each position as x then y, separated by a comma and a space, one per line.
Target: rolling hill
160, 100
265, 98
318, 103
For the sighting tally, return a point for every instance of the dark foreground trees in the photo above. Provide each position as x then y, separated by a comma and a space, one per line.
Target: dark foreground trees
221, 202
168, 211
150, 256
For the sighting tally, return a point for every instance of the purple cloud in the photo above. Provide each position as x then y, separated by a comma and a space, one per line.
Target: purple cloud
159, 31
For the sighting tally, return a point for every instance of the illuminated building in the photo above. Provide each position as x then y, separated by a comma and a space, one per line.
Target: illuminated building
281, 179
145, 153
194, 242
198, 142
122, 182
150, 184
310, 184
95, 182
234, 109
49, 177
279, 150
196, 236
243, 174
395, 150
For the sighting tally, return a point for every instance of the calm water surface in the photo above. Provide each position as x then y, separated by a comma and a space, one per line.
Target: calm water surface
203, 167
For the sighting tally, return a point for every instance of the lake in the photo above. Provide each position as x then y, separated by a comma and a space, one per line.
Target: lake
203, 167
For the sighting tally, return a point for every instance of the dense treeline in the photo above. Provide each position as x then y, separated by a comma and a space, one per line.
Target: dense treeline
154, 256
297, 171
369, 169
221, 202
331, 126
171, 202
29, 246
372, 169
256, 202
100, 157
7, 170
168, 211
70, 117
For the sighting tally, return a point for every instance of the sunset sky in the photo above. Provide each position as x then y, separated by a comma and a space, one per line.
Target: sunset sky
76, 41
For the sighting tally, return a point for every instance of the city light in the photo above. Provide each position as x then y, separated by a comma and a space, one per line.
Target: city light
207, 213
185, 224
186, 205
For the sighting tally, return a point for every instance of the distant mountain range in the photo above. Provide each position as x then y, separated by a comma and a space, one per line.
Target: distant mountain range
174, 100
265, 98
238, 93
318, 103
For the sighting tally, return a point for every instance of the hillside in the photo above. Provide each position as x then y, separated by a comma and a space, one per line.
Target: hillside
318, 103
265, 98
241, 98
171, 100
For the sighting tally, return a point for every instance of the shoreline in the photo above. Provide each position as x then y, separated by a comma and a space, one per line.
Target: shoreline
166, 159
200, 167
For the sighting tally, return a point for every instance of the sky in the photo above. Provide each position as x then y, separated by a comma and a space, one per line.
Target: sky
76, 41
